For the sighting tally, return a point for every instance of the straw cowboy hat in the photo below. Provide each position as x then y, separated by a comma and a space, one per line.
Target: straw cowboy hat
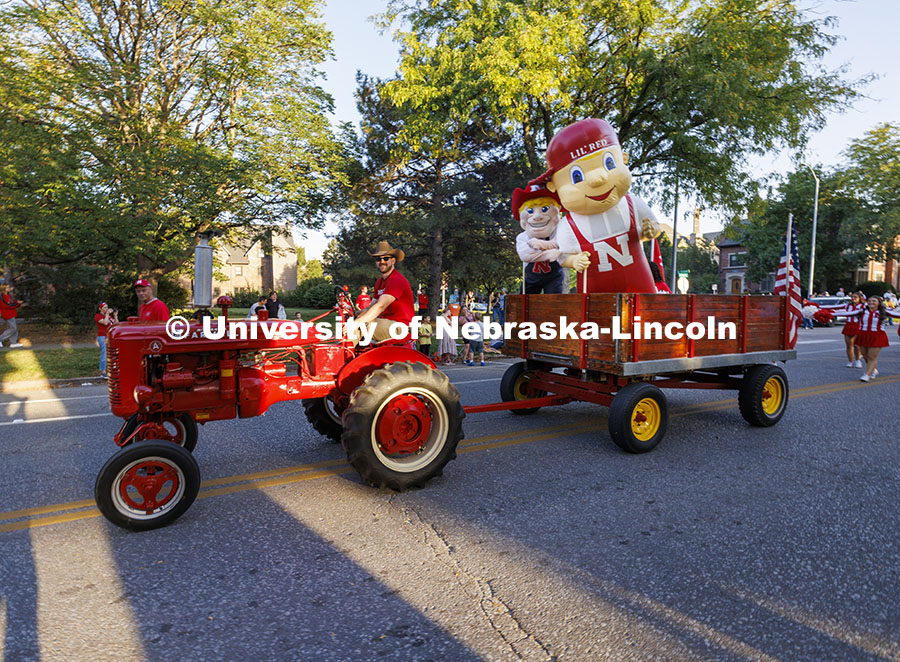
384, 248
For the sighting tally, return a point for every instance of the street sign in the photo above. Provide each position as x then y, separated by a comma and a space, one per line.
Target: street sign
715, 288
684, 274
682, 284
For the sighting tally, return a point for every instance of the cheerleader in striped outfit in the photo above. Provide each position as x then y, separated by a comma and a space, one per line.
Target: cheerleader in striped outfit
851, 328
871, 336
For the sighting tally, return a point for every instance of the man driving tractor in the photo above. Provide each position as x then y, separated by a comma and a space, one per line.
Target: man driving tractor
392, 294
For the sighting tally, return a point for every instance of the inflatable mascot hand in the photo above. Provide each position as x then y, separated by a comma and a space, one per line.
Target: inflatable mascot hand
601, 232
537, 211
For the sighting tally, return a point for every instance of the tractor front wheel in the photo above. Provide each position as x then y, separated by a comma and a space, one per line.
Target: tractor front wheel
147, 485
402, 425
181, 431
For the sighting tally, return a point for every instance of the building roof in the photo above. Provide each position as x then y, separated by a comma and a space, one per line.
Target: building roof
725, 242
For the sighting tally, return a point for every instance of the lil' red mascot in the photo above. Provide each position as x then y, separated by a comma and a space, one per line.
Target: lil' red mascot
601, 232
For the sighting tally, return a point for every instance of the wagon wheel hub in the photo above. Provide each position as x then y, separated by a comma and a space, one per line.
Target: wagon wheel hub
404, 426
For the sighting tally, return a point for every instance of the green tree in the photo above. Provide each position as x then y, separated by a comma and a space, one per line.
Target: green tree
840, 245
702, 264
127, 127
692, 88
441, 195
874, 177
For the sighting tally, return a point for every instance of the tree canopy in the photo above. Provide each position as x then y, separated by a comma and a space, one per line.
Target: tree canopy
128, 127
693, 88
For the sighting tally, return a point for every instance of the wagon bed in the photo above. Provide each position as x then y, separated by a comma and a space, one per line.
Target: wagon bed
760, 324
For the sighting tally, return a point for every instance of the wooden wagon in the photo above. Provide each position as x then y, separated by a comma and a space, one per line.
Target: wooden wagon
626, 371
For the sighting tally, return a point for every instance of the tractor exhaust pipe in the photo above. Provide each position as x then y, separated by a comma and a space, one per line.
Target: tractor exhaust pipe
203, 268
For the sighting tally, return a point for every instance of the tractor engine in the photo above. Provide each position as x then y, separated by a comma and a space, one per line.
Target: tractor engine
152, 374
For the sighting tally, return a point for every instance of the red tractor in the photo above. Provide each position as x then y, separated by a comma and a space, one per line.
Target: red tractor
397, 416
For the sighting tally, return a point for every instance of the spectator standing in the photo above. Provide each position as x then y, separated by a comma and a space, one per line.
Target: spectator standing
422, 301
274, 307
254, 309
363, 301
470, 299
103, 320
465, 316
8, 310
476, 342
446, 350
151, 309
425, 334
502, 302
298, 317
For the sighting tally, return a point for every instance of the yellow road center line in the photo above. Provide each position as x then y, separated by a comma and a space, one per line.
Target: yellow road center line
287, 475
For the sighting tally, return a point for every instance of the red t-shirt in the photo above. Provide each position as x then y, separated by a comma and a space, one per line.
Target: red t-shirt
423, 303
101, 328
154, 311
363, 301
401, 310
7, 307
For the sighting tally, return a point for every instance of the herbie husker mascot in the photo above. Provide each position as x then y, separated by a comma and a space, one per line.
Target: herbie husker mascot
537, 211
600, 235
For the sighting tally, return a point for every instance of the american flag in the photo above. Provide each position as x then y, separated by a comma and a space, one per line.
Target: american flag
787, 281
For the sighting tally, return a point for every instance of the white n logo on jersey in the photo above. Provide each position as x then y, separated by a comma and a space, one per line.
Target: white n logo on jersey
605, 251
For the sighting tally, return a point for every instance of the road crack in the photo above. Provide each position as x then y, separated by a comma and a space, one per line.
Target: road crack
498, 614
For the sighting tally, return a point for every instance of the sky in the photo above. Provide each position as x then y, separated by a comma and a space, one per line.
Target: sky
869, 45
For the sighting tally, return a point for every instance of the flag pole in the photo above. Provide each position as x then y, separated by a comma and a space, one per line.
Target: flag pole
788, 283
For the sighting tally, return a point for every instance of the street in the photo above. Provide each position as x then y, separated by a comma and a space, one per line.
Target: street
541, 541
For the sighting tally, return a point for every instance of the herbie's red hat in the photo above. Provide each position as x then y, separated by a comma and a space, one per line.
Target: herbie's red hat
577, 141
141, 282
530, 192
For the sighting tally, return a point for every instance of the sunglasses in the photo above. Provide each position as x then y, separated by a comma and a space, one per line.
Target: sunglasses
383, 259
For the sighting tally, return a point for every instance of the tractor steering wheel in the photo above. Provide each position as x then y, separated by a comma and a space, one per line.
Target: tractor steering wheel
344, 302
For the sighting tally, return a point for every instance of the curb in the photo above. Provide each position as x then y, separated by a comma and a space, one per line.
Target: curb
44, 384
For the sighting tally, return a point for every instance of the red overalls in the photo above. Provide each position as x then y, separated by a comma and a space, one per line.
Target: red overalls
633, 276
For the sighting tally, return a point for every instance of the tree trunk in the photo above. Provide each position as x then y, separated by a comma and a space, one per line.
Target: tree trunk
435, 271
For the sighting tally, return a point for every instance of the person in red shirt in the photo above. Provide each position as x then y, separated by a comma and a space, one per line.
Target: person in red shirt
423, 302
104, 319
393, 294
151, 309
8, 310
363, 301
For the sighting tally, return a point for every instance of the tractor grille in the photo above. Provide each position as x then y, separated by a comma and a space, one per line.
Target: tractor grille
112, 371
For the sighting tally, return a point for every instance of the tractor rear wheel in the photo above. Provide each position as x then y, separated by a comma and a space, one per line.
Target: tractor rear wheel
147, 485
324, 417
402, 425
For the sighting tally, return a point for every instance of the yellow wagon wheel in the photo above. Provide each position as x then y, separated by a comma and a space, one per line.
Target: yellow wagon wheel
638, 417
763, 395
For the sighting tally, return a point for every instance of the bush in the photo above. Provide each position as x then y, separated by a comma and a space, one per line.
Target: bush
875, 287
320, 295
245, 297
